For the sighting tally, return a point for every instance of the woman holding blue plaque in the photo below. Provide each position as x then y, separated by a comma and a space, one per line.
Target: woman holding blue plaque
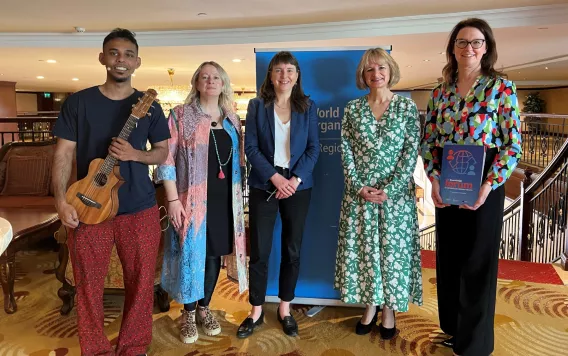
282, 145
378, 255
474, 105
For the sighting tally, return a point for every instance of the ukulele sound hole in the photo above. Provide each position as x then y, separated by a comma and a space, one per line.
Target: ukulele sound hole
101, 179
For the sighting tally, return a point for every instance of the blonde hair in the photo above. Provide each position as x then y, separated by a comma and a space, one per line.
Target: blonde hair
226, 96
375, 55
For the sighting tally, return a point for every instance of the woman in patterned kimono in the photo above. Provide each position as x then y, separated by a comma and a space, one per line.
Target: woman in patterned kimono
202, 179
378, 256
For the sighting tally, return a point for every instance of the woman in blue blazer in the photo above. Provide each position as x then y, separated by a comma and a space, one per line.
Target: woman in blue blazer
282, 145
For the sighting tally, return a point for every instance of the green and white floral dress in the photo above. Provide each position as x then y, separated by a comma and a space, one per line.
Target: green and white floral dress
378, 255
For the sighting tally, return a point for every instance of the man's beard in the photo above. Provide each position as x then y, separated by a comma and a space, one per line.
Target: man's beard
120, 79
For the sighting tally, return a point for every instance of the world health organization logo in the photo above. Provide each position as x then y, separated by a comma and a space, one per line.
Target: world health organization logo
462, 162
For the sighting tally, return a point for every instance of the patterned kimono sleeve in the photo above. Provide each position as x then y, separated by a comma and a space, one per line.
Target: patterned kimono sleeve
510, 150
409, 155
167, 170
353, 183
428, 149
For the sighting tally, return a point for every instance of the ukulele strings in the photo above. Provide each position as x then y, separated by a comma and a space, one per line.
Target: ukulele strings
145, 102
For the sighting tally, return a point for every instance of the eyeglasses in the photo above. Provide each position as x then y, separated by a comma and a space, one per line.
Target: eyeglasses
475, 44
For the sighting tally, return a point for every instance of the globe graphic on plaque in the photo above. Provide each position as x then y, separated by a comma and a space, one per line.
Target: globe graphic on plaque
462, 162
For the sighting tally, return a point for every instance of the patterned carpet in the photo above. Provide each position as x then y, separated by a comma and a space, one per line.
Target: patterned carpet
532, 319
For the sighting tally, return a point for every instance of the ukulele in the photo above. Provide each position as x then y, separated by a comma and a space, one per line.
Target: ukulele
95, 197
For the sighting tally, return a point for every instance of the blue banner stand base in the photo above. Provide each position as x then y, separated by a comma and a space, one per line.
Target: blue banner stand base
317, 303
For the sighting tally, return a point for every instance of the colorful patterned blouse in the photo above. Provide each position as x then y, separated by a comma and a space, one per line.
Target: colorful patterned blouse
488, 115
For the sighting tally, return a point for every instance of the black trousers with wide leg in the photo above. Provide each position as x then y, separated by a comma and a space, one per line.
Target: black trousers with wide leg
466, 270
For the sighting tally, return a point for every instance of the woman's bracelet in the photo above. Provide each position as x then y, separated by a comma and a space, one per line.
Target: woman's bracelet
170, 201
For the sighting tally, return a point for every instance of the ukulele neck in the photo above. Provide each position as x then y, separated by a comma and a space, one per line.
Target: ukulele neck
110, 161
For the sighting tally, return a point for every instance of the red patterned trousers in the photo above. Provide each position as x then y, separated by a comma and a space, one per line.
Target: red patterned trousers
137, 239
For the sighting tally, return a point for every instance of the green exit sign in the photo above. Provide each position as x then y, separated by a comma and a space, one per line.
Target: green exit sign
47, 95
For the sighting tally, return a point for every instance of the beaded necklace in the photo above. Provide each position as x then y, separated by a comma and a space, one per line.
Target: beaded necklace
221, 175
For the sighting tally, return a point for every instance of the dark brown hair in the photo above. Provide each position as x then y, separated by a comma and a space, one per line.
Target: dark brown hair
298, 100
488, 60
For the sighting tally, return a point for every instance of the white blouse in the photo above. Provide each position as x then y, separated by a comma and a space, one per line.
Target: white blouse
281, 142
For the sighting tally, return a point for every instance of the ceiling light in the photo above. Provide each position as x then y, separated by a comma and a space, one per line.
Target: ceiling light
51, 61
426, 60
408, 66
57, 99
442, 52
39, 77
545, 67
237, 60
75, 79
202, 14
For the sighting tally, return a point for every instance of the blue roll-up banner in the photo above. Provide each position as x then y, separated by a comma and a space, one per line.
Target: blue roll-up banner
328, 76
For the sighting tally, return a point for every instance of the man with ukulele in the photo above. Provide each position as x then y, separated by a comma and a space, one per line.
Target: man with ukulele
89, 122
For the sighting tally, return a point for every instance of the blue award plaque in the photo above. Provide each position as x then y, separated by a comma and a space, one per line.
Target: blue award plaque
461, 176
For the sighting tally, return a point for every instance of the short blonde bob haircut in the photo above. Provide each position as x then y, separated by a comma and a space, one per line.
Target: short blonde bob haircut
377, 55
226, 96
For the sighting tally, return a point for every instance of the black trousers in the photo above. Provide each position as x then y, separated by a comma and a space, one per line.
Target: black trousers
212, 270
466, 271
293, 212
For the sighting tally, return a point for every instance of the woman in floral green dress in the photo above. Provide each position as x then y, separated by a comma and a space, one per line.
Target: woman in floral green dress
378, 256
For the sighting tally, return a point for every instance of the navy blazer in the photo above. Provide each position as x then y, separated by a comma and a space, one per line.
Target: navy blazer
259, 144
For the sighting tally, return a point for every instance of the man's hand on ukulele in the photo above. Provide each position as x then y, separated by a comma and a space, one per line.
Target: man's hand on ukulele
67, 215
123, 150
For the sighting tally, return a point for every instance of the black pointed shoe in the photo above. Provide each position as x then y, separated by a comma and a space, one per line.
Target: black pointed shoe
449, 342
387, 334
289, 325
248, 325
364, 329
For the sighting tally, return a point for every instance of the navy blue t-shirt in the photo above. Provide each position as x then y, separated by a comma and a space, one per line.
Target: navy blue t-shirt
92, 120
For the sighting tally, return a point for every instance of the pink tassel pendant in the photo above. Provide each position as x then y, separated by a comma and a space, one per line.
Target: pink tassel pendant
221, 175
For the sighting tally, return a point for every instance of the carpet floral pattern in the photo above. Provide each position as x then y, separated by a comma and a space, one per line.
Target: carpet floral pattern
532, 319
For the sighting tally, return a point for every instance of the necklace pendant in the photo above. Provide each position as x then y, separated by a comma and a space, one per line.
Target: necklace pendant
221, 175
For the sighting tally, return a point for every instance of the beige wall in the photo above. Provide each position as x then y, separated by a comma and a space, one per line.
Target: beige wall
421, 98
7, 99
556, 99
556, 103
7, 109
26, 102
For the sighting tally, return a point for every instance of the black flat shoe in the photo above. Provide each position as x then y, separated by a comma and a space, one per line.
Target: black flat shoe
449, 342
364, 329
247, 327
289, 325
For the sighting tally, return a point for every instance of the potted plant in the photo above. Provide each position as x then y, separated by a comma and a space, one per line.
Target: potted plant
534, 104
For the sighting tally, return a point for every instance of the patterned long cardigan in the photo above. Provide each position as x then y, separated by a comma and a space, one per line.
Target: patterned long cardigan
183, 270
